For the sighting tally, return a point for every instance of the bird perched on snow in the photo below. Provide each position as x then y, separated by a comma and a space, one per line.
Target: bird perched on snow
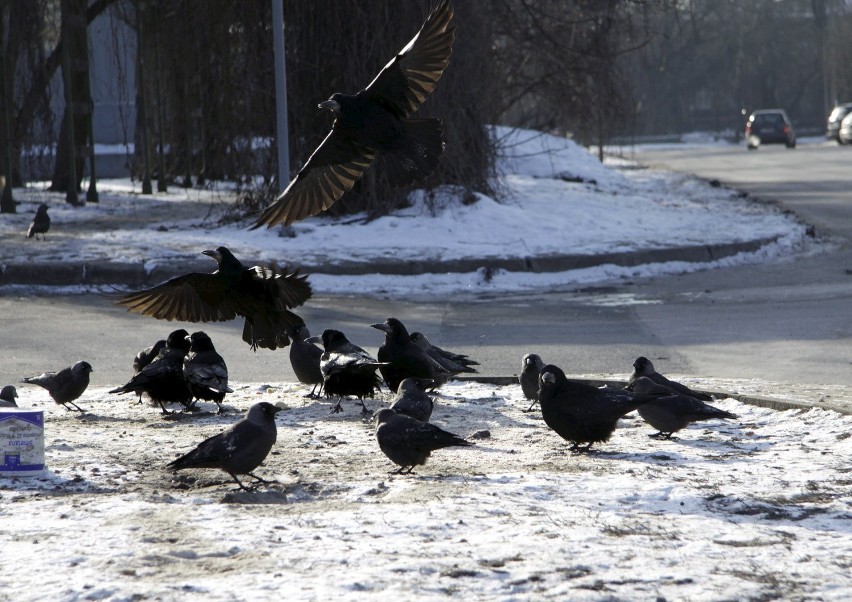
643, 367
146, 356
670, 411
40, 223
7, 397
454, 363
238, 450
162, 380
412, 400
409, 442
305, 361
581, 413
261, 295
402, 358
205, 371
531, 366
346, 368
66, 385
374, 125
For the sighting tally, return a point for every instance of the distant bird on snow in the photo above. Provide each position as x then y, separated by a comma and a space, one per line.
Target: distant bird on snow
644, 367
669, 411
40, 223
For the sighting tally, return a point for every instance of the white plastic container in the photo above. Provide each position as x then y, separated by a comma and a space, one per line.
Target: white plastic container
21, 442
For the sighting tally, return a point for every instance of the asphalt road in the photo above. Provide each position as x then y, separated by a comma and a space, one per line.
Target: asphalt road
788, 322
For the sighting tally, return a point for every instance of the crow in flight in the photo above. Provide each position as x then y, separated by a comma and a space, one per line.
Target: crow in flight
262, 295
375, 125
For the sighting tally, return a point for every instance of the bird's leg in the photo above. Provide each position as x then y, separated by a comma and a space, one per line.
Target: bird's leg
410, 470
656, 435
398, 470
364, 409
75, 409
529, 409
257, 478
220, 409
243, 487
165, 411
336, 407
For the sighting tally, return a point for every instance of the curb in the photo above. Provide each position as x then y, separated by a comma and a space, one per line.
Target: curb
764, 402
140, 274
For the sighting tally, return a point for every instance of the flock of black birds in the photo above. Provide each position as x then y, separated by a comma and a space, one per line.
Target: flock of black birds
372, 126
183, 369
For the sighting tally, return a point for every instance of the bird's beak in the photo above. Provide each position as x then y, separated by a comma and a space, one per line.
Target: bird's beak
314, 340
382, 326
212, 253
331, 105
548, 377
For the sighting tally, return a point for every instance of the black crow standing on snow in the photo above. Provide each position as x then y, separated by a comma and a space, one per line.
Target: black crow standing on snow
402, 358
409, 442
375, 125
454, 363
262, 295
40, 223
670, 411
66, 385
163, 378
346, 368
305, 361
412, 400
7, 397
205, 371
238, 450
531, 366
643, 367
581, 413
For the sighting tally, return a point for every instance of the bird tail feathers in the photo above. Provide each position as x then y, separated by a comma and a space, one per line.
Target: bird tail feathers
416, 154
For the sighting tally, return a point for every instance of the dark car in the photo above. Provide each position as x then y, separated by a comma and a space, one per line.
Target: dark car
769, 126
832, 128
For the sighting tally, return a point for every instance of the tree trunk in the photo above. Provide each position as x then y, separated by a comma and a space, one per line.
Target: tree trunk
77, 117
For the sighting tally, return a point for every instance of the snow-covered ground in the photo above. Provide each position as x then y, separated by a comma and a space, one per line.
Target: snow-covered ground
752, 509
756, 508
560, 200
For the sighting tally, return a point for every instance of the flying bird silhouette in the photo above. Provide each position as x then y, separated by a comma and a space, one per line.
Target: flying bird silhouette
374, 125
262, 295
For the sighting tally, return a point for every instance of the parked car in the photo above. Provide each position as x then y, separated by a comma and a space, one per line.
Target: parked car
844, 133
769, 126
838, 113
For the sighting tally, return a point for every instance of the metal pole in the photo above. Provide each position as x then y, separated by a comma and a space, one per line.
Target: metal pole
281, 94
